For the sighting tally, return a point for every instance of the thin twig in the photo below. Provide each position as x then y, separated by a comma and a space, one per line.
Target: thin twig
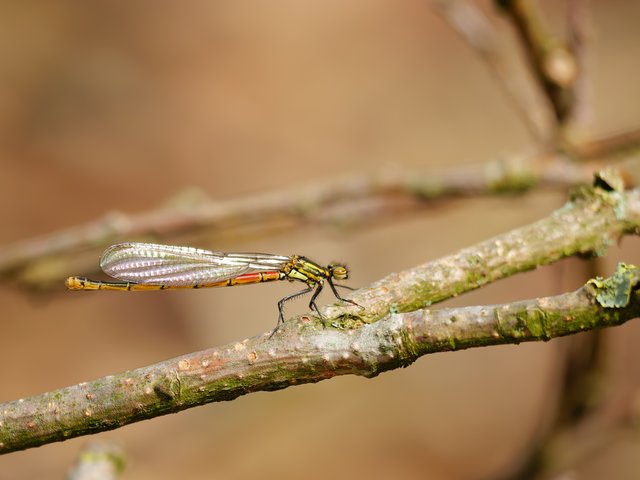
578, 391
579, 25
466, 18
551, 62
351, 200
98, 461
618, 143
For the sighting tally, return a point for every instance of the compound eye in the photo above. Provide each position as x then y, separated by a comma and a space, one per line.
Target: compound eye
339, 272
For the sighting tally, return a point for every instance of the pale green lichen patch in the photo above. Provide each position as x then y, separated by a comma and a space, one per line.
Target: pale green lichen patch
615, 291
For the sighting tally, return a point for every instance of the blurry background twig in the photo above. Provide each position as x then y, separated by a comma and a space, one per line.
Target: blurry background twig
349, 202
98, 461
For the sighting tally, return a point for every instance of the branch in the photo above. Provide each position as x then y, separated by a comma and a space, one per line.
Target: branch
552, 62
580, 378
579, 25
305, 354
348, 200
363, 342
589, 224
99, 461
620, 143
466, 18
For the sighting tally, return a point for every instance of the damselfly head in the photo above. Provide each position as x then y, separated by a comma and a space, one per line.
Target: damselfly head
339, 272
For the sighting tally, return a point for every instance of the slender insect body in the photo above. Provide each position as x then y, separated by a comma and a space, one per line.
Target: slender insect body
146, 266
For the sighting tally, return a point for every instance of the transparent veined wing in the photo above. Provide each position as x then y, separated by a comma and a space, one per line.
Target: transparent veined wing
149, 263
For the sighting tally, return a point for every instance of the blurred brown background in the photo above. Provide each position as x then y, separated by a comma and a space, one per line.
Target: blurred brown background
118, 106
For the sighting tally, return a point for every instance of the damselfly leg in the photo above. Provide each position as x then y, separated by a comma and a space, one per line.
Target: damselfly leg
312, 302
342, 299
285, 300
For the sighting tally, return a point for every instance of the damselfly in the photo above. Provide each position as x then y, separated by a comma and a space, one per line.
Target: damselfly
148, 266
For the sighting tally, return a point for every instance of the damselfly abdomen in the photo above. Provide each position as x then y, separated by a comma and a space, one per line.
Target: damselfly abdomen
148, 266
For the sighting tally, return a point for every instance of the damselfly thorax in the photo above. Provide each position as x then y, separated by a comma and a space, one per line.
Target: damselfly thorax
148, 266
